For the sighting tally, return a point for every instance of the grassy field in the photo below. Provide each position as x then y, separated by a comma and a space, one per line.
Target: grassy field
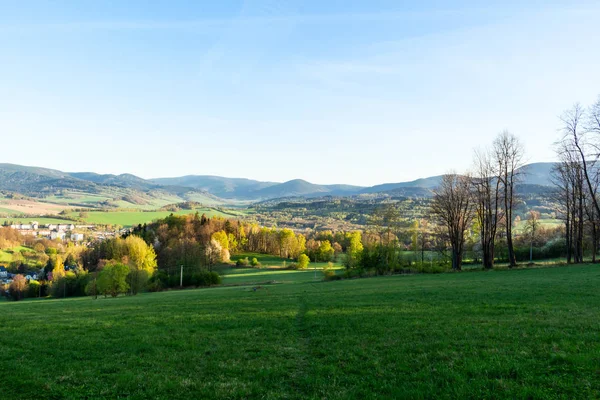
129, 218
6, 256
250, 276
267, 260
501, 334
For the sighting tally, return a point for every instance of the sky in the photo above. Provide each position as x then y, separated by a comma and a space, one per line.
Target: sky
333, 91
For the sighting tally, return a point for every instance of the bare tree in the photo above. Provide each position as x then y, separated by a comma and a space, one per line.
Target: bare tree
581, 133
452, 206
509, 154
486, 191
569, 179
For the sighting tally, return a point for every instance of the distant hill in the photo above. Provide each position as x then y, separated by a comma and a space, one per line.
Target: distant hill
44, 182
227, 188
123, 180
35, 180
423, 183
302, 188
124, 190
538, 174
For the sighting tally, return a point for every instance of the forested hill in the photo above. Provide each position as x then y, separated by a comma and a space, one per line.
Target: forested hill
40, 182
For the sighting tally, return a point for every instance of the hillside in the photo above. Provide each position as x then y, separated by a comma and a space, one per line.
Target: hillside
88, 189
130, 190
227, 188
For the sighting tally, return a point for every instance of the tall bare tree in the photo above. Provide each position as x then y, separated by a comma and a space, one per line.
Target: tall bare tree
509, 156
452, 207
486, 191
569, 179
581, 134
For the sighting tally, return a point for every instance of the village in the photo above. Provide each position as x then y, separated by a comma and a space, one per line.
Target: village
60, 235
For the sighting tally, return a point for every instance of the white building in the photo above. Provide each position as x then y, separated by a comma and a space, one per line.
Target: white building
57, 235
77, 237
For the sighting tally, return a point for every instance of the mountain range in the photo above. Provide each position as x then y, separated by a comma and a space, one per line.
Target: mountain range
232, 188
42, 182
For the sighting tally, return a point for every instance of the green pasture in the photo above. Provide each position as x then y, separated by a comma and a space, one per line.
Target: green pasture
130, 218
253, 276
6, 256
529, 333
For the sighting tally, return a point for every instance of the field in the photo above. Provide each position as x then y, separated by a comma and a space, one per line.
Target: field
129, 218
7, 256
501, 334
9, 207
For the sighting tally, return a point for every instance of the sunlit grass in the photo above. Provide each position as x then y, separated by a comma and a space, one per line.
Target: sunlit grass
528, 333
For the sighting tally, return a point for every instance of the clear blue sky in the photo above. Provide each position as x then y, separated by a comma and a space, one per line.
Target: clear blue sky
358, 92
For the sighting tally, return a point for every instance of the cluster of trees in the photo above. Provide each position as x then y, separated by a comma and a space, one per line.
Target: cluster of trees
196, 241
577, 177
9, 238
486, 197
119, 265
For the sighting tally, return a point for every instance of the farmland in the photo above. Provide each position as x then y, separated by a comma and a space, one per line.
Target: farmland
501, 334
129, 218
122, 218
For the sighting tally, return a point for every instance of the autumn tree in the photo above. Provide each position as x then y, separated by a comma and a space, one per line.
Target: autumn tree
17, 287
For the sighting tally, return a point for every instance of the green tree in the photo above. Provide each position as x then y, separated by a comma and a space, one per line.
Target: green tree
303, 261
355, 249
326, 251
58, 272
112, 280
142, 262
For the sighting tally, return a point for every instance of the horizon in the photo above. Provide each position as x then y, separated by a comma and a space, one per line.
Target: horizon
367, 93
258, 180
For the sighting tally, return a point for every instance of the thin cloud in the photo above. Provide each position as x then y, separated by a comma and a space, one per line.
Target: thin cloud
214, 23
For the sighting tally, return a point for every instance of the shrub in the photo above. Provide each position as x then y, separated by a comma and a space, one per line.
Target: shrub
303, 261
328, 271
33, 289
206, 278
243, 262
156, 285
254, 262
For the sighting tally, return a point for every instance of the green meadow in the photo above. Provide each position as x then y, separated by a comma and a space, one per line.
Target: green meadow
528, 333
130, 218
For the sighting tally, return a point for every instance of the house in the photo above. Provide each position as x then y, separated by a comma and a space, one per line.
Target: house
77, 237
57, 235
3, 272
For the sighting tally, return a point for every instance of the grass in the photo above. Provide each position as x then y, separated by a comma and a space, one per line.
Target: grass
500, 334
249, 276
267, 260
271, 270
130, 218
6, 256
